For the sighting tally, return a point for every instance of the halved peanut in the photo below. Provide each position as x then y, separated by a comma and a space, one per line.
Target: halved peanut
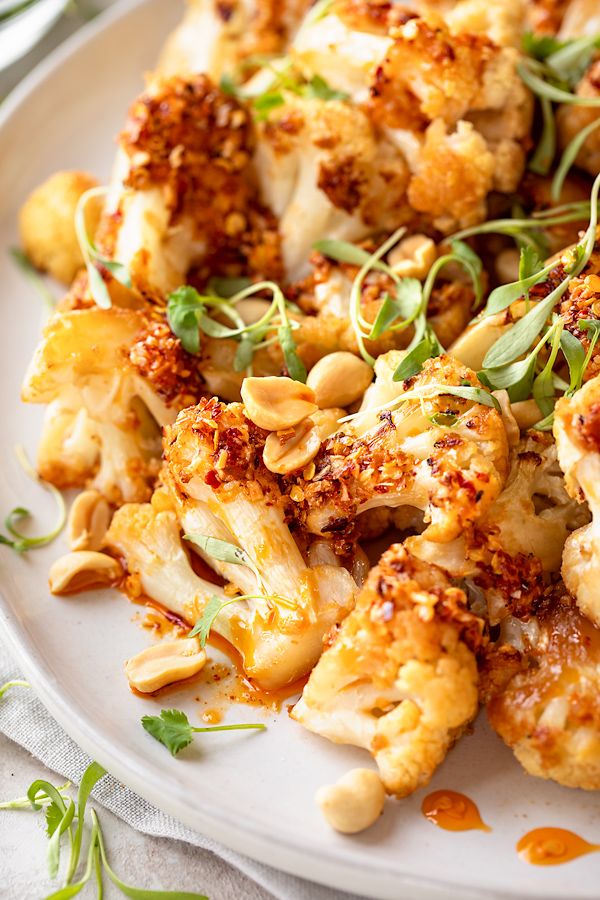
339, 379
83, 570
354, 803
288, 451
89, 519
276, 403
413, 257
327, 421
165, 663
252, 309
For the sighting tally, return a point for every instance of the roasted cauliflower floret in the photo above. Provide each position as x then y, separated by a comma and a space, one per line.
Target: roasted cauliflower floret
549, 712
111, 383
325, 296
345, 43
320, 164
503, 22
220, 488
182, 192
510, 552
456, 107
577, 433
215, 37
399, 677
452, 474
47, 223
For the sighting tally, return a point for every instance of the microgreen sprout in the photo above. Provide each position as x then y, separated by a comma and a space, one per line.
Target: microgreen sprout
552, 73
211, 611
429, 392
187, 314
95, 262
11, 684
66, 820
172, 729
29, 270
18, 541
285, 78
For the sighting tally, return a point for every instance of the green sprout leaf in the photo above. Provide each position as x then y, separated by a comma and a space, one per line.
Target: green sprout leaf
172, 729
29, 270
542, 159
318, 88
18, 541
293, 363
205, 623
345, 252
221, 550
11, 684
427, 348
540, 46
404, 305
569, 156
184, 309
95, 262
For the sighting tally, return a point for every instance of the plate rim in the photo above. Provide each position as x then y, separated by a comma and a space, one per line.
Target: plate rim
335, 870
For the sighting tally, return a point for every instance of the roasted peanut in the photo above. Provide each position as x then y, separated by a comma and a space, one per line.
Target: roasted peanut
526, 413
327, 421
83, 570
288, 451
506, 265
89, 519
275, 403
354, 802
165, 663
252, 309
413, 257
339, 379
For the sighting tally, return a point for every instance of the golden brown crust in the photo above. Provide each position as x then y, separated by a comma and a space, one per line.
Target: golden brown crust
550, 711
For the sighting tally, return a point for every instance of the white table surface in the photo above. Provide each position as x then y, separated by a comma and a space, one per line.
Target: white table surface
142, 861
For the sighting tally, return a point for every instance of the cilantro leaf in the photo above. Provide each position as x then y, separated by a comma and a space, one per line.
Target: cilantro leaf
204, 624
184, 309
171, 728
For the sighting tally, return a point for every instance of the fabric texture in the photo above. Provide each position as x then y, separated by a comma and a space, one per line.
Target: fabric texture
27, 722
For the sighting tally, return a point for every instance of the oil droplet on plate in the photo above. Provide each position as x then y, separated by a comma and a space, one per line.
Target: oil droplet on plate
453, 812
552, 846
212, 716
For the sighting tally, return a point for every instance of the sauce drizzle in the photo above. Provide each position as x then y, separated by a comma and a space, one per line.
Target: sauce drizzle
552, 846
453, 812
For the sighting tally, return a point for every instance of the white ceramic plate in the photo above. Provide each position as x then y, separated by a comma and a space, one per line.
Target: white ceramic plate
253, 792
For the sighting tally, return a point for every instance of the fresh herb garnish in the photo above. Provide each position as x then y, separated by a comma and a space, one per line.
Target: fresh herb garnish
511, 363
11, 684
22, 542
223, 551
172, 728
569, 156
95, 262
429, 392
29, 270
61, 813
187, 314
285, 79
552, 72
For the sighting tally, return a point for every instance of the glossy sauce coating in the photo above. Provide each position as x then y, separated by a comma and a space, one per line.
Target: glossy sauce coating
453, 812
552, 846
